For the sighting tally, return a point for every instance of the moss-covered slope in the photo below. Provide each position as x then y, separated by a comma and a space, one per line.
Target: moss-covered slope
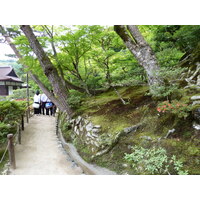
108, 111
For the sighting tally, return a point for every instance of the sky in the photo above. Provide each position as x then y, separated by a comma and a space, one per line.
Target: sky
5, 49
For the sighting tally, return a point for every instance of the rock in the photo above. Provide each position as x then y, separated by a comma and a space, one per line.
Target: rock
196, 126
129, 147
77, 132
96, 144
131, 129
86, 121
197, 115
89, 135
89, 127
97, 126
91, 142
101, 152
72, 121
198, 80
146, 137
78, 120
95, 135
81, 128
124, 165
75, 129
194, 98
195, 102
95, 130
169, 133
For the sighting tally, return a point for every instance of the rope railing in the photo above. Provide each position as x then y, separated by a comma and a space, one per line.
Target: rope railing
15, 139
4, 153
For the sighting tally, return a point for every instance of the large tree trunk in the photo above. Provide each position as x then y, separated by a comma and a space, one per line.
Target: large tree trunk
49, 69
135, 42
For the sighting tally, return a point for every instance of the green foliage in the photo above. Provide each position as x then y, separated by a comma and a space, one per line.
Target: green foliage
75, 98
4, 130
154, 161
21, 94
169, 57
170, 85
10, 113
163, 91
187, 37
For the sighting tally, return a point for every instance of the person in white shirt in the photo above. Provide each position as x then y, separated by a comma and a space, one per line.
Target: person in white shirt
44, 99
36, 100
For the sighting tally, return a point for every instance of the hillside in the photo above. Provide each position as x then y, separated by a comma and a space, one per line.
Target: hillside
143, 123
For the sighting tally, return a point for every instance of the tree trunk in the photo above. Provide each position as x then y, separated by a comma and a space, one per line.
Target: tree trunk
135, 42
49, 69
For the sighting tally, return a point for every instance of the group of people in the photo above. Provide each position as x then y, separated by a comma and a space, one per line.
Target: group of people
43, 105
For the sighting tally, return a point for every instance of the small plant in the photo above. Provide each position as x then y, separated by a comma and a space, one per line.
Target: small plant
163, 91
154, 161
178, 108
75, 98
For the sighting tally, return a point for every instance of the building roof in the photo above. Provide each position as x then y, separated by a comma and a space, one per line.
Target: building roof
8, 74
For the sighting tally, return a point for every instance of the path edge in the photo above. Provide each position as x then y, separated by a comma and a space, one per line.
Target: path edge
87, 168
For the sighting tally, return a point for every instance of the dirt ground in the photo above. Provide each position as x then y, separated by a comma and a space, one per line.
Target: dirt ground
40, 152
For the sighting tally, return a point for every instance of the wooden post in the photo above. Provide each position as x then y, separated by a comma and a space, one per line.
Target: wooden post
28, 95
19, 134
22, 122
11, 151
27, 119
57, 124
57, 127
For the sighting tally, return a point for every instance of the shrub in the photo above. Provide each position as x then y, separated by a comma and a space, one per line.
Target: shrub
163, 91
178, 108
20, 94
75, 98
154, 161
4, 130
11, 111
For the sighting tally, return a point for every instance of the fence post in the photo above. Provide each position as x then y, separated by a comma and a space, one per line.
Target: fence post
19, 134
11, 151
22, 122
57, 124
27, 120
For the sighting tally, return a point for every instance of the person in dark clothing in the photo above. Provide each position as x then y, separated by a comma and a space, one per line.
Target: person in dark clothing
49, 107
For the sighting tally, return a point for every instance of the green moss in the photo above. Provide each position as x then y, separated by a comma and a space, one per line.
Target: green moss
186, 151
111, 125
83, 150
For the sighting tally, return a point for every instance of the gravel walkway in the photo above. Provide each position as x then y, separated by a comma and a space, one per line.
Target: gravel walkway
41, 152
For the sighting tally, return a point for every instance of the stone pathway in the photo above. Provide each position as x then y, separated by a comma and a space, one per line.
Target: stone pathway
41, 152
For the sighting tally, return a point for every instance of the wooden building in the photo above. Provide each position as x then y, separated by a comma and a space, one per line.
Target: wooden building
9, 81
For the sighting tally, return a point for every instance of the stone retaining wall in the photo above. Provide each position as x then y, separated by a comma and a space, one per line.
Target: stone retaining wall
91, 135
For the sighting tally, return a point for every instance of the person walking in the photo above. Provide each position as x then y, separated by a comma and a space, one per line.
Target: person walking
36, 104
49, 107
43, 103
